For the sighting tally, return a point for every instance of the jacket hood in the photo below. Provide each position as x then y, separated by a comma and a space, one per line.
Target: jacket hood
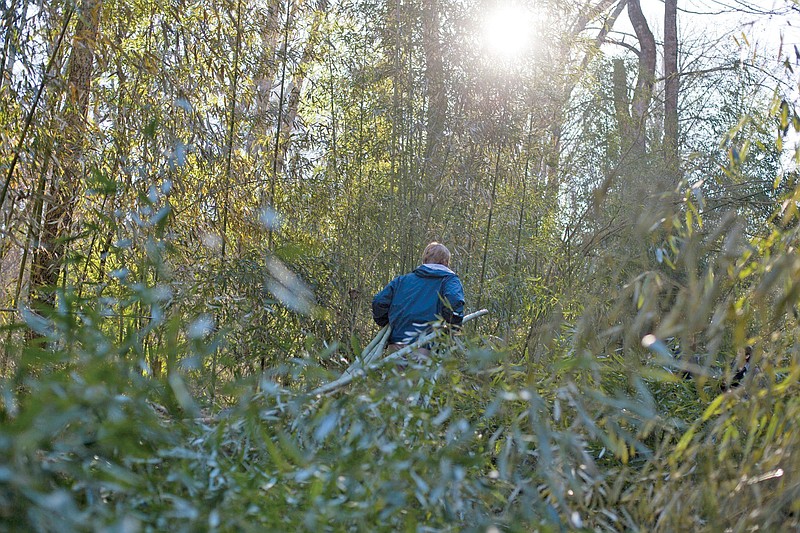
431, 270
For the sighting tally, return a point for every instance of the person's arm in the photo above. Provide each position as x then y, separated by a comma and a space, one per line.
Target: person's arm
453, 304
381, 303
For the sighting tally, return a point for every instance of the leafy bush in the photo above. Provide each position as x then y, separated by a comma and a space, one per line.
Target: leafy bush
468, 440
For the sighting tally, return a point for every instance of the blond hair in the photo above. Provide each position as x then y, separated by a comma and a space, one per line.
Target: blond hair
436, 253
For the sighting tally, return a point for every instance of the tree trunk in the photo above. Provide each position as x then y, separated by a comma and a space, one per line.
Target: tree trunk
270, 37
645, 79
622, 103
298, 80
671, 88
436, 94
48, 257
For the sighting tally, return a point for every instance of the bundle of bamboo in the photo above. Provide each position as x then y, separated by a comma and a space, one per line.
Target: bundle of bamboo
372, 356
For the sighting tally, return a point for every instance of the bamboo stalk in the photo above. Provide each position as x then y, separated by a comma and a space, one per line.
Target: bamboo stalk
226, 199
369, 348
379, 347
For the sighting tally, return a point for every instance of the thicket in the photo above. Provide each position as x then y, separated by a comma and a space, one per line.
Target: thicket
199, 200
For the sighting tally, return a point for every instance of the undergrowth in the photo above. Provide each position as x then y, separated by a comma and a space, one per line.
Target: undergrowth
467, 440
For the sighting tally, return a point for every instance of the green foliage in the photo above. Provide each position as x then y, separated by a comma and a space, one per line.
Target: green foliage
467, 440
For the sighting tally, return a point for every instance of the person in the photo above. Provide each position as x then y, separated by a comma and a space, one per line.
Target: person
740, 372
411, 302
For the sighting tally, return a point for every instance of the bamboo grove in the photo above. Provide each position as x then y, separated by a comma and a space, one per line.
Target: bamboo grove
311, 114
215, 190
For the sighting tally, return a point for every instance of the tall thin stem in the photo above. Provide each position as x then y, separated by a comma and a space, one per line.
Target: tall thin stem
228, 167
280, 119
489, 226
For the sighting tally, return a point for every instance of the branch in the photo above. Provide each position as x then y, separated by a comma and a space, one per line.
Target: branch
623, 44
602, 35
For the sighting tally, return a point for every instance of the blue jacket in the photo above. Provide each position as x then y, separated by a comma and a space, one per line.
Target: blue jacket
411, 301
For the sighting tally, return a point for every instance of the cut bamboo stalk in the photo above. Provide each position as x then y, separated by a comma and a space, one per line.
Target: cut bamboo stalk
379, 347
370, 349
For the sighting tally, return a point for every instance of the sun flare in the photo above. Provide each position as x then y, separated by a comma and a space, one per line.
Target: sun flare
507, 31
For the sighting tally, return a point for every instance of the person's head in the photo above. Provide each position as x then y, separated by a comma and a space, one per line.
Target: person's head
436, 253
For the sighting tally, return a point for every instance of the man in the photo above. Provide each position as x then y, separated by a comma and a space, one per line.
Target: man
409, 303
